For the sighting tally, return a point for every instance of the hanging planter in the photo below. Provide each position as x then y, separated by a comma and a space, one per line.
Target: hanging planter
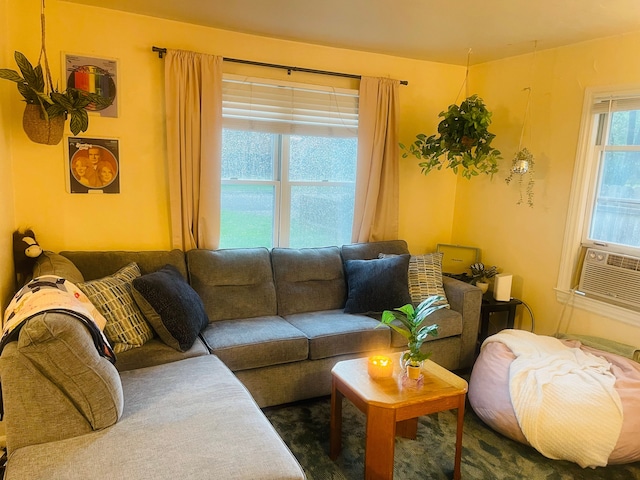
40, 129
523, 164
47, 108
463, 141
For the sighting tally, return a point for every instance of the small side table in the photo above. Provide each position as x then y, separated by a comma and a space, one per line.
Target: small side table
489, 306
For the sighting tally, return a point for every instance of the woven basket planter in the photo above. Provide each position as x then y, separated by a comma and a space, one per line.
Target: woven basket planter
39, 130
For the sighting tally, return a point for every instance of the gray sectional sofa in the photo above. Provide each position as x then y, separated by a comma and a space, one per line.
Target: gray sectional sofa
276, 328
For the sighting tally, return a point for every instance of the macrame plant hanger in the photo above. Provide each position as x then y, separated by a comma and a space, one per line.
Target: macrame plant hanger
523, 162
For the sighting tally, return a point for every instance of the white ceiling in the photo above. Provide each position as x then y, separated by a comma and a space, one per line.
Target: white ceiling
435, 30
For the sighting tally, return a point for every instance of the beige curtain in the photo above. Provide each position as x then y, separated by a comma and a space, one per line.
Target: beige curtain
377, 181
193, 95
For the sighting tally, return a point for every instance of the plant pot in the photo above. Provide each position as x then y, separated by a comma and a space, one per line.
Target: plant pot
40, 130
413, 372
482, 286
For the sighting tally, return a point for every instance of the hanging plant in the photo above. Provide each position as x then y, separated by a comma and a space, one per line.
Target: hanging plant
47, 108
523, 164
463, 141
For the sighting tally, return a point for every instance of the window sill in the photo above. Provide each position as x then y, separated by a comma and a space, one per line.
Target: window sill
615, 312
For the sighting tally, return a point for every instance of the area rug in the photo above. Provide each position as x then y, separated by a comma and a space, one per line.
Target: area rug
486, 454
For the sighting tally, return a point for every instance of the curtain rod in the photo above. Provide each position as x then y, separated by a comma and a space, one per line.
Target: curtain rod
162, 51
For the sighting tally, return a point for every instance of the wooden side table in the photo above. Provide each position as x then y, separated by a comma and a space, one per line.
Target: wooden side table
392, 410
489, 306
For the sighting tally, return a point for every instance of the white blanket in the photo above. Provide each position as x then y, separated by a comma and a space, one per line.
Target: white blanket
563, 398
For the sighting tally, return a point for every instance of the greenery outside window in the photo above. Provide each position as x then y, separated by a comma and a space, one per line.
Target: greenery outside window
288, 164
604, 211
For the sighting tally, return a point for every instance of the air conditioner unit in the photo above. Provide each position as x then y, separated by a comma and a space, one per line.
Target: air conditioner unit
611, 276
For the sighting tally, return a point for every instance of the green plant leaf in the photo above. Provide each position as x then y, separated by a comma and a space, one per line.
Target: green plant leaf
10, 75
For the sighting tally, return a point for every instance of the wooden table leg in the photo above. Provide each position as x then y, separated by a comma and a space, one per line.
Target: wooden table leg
407, 428
380, 443
458, 458
335, 437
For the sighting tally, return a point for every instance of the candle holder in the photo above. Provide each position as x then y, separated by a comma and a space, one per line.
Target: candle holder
380, 366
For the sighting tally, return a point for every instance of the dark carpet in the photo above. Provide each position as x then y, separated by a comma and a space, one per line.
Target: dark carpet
486, 454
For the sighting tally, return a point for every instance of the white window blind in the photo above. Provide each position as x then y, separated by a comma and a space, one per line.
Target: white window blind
288, 108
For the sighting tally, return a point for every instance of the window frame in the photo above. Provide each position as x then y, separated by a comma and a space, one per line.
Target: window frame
583, 186
341, 122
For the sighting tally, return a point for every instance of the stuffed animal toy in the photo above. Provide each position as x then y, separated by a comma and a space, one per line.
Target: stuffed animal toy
25, 252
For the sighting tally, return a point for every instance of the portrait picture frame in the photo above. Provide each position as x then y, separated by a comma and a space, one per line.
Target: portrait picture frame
93, 165
95, 75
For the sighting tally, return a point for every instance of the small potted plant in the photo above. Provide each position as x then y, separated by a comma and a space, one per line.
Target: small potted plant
409, 325
463, 141
480, 275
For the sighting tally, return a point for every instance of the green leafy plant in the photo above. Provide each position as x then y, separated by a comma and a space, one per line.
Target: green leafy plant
479, 273
410, 326
31, 85
463, 141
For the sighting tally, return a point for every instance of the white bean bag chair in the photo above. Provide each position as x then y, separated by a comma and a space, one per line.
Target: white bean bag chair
490, 396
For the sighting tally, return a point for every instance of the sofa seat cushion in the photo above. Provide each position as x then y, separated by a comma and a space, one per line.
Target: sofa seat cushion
449, 325
191, 420
333, 332
156, 352
256, 342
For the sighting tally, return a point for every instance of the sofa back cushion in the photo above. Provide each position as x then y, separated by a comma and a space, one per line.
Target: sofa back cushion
233, 283
50, 263
61, 348
308, 279
371, 250
95, 265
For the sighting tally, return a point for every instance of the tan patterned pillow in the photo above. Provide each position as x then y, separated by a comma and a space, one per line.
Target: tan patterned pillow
425, 277
126, 326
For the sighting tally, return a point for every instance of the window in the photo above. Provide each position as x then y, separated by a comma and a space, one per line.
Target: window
288, 164
604, 210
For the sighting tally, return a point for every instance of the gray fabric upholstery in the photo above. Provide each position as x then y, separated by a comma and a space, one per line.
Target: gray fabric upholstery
95, 265
466, 299
371, 250
256, 342
308, 279
156, 352
234, 283
61, 349
188, 420
334, 332
50, 263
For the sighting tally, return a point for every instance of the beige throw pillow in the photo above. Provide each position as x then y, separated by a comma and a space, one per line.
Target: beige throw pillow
126, 327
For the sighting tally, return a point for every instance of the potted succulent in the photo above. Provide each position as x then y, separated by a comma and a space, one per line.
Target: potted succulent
47, 108
480, 275
410, 326
463, 141
523, 164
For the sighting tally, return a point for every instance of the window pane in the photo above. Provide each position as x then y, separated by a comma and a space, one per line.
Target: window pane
616, 217
322, 158
247, 216
248, 155
321, 216
625, 128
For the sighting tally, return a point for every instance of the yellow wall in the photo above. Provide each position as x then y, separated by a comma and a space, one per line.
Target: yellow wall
435, 209
137, 218
528, 241
7, 220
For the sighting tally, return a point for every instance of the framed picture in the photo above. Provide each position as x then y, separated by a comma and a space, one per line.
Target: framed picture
95, 75
93, 165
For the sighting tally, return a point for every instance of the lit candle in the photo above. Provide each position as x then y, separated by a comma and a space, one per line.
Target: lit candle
380, 366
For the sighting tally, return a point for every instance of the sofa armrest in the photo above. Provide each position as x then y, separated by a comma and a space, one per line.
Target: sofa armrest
465, 299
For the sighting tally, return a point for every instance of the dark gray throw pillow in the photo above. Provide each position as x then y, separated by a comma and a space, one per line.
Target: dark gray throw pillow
171, 306
377, 285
